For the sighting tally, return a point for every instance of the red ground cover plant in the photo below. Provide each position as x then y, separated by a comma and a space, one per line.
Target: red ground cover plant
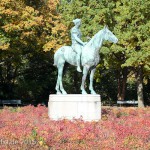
30, 128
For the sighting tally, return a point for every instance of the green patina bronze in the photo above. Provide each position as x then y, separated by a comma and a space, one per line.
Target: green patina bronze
86, 54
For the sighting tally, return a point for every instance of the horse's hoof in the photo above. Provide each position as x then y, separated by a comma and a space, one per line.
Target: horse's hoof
84, 92
59, 93
64, 92
93, 92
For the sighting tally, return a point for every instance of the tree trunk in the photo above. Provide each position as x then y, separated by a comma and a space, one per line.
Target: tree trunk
122, 80
119, 85
140, 86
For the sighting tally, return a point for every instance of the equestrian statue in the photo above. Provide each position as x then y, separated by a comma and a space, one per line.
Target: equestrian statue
81, 53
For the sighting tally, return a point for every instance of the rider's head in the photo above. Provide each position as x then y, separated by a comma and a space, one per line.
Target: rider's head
77, 22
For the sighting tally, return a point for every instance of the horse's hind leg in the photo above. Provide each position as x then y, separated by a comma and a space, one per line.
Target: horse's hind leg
60, 73
91, 81
57, 86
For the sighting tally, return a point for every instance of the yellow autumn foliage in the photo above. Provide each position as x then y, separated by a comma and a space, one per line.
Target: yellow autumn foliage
27, 23
5, 46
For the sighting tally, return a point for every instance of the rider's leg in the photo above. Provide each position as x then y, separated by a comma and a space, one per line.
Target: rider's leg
78, 59
78, 63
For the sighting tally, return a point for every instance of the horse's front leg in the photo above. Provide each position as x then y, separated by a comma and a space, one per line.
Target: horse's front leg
85, 72
91, 81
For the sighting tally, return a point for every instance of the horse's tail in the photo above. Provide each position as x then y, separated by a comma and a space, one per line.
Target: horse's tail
55, 62
57, 55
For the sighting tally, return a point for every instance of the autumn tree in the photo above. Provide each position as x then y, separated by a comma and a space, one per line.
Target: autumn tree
129, 20
95, 14
133, 21
27, 29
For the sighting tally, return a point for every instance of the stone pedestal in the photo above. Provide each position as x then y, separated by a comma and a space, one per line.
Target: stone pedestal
74, 106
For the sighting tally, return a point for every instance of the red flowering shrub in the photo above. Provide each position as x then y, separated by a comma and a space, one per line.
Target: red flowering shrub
30, 128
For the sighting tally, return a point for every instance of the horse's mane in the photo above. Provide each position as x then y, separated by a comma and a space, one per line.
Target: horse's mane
93, 38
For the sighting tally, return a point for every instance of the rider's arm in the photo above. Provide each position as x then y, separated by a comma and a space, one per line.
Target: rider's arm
78, 40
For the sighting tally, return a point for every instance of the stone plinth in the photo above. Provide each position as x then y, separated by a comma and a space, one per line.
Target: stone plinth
74, 106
